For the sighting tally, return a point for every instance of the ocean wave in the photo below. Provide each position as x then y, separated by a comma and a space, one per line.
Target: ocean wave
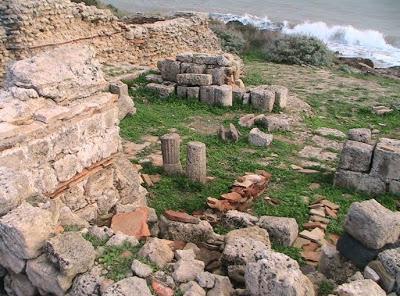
347, 40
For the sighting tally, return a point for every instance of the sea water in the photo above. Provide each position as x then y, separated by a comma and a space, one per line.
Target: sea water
354, 28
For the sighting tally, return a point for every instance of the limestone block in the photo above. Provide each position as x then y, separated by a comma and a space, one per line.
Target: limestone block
360, 288
125, 102
157, 251
282, 231
67, 167
223, 95
194, 79
356, 156
187, 270
169, 69
192, 68
194, 233
386, 162
277, 274
394, 187
185, 57
127, 287
219, 75
181, 91
7, 130
216, 60
237, 219
164, 90
372, 224
262, 98
359, 182
193, 92
48, 115
274, 122
13, 189
281, 96
65, 72
70, 253
259, 138
19, 285
154, 78
25, 229
360, 135
45, 276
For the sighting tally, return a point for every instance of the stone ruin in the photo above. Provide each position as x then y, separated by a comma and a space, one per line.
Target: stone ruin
368, 167
213, 79
27, 27
60, 165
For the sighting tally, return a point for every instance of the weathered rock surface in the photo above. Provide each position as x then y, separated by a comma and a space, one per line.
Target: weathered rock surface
71, 253
360, 135
281, 230
19, 285
372, 224
187, 270
86, 284
237, 219
259, 138
277, 274
188, 232
360, 182
129, 287
360, 288
356, 156
222, 287
140, 269
119, 239
157, 251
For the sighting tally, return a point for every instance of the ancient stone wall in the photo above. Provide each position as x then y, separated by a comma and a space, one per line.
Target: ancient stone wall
32, 26
59, 136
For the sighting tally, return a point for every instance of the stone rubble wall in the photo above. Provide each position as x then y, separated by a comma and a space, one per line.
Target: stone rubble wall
372, 169
32, 26
60, 139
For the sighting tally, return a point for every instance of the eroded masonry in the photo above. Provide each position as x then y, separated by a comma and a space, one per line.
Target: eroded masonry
27, 27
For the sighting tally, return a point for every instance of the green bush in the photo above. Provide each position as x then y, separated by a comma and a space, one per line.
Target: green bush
250, 42
298, 50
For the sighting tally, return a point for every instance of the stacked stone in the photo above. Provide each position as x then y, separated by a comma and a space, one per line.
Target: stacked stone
207, 78
32, 26
264, 97
59, 166
372, 243
373, 169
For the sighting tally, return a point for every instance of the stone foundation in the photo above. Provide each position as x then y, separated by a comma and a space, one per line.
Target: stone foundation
28, 27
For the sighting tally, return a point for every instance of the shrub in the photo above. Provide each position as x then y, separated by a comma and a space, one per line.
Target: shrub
248, 41
298, 50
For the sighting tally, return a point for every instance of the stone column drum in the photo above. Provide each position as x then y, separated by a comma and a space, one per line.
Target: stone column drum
196, 169
170, 147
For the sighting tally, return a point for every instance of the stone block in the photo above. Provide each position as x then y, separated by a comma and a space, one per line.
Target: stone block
187, 270
155, 78
127, 287
24, 230
356, 156
281, 96
163, 90
223, 95
386, 162
125, 102
185, 57
157, 251
193, 92
282, 231
219, 75
394, 187
192, 68
71, 253
274, 122
181, 91
360, 288
45, 276
215, 60
360, 135
360, 182
259, 138
194, 79
372, 224
262, 98
169, 69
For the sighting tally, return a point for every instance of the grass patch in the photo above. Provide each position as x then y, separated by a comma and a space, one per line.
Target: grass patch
325, 288
292, 252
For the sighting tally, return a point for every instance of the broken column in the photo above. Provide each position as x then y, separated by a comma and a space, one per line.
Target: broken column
170, 147
196, 169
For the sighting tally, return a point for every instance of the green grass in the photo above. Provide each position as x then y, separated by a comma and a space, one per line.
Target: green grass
325, 288
227, 161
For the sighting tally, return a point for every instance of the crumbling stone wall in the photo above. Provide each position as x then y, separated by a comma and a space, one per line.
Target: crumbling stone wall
369, 167
32, 26
59, 136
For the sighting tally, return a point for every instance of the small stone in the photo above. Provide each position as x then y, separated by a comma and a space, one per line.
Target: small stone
140, 269
192, 289
282, 230
222, 287
259, 138
160, 289
157, 251
185, 254
360, 135
127, 287
371, 274
187, 270
206, 280
119, 239
318, 212
360, 288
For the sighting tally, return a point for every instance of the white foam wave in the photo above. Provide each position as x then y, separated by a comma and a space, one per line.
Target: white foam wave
347, 40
